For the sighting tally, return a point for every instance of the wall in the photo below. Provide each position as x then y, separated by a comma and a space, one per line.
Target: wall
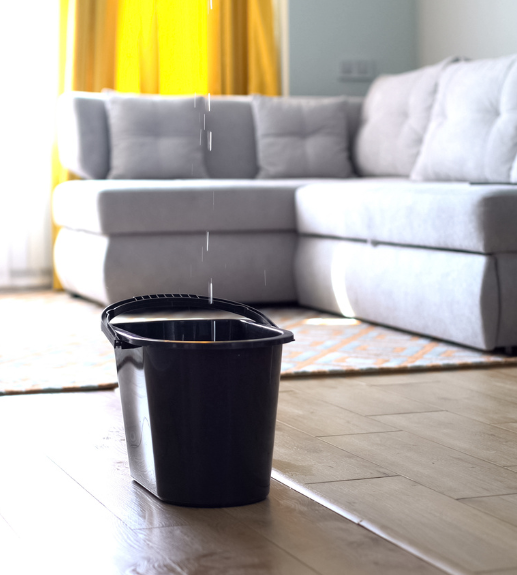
322, 32
471, 28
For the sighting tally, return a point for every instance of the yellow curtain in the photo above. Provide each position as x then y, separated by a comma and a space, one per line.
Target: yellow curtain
161, 46
242, 54
165, 47
86, 59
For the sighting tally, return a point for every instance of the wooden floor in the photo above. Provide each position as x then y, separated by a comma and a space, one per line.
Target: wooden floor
424, 467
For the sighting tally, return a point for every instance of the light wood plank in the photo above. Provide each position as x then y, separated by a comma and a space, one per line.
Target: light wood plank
323, 539
104, 473
492, 373
503, 507
510, 372
320, 418
400, 377
58, 418
216, 543
36, 496
19, 559
509, 426
58, 520
461, 400
7, 534
440, 468
436, 527
302, 458
490, 381
100, 465
356, 397
481, 440
12, 552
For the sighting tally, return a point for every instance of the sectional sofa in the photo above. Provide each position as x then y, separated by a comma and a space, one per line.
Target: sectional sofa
399, 208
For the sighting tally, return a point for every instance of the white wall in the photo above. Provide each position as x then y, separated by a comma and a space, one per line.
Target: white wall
322, 32
471, 28
29, 35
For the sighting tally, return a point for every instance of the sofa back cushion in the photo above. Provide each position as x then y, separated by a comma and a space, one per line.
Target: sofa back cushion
395, 116
301, 137
84, 139
155, 137
472, 134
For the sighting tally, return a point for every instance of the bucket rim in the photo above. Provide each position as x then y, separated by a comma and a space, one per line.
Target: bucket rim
121, 338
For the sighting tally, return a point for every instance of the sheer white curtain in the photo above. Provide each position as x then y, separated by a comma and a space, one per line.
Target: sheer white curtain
29, 40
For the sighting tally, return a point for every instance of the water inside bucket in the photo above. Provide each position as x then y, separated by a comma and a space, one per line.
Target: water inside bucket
200, 330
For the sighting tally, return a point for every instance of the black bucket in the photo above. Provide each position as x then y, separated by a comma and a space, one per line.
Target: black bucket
199, 398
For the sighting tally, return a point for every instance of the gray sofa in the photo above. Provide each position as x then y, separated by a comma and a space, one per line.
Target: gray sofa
418, 230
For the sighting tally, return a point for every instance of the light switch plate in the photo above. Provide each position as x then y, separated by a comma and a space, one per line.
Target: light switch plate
357, 69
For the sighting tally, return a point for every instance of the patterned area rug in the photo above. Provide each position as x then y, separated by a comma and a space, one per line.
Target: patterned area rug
52, 342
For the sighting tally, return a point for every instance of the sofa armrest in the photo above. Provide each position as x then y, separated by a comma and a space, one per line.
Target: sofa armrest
82, 134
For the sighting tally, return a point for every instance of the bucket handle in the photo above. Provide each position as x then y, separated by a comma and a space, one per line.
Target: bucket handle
174, 301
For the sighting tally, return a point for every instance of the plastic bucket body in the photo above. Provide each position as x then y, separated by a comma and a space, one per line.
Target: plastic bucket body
199, 408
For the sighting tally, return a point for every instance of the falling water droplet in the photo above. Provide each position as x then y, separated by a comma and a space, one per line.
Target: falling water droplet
210, 292
213, 331
209, 101
200, 137
202, 249
209, 140
210, 4
204, 121
207, 238
264, 277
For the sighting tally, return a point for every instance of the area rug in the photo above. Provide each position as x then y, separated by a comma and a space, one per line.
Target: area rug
52, 342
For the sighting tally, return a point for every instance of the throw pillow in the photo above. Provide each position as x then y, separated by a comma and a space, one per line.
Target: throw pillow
301, 137
395, 116
155, 137
472, 135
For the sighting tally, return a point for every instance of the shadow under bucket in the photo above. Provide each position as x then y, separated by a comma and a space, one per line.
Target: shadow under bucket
199, 398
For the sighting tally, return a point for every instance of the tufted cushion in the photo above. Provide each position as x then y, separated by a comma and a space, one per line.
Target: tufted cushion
395, 116
472, 134
154, 137
301, 137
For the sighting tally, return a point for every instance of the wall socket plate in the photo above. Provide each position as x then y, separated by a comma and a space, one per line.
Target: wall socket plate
357, 69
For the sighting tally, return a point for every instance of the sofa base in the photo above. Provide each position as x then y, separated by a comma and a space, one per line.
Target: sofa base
248, 267
462, 297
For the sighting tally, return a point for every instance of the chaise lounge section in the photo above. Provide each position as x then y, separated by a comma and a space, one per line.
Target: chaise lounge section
410, 223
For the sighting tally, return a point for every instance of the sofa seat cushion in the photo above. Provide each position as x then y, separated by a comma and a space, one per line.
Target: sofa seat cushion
444, 215
113, 207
